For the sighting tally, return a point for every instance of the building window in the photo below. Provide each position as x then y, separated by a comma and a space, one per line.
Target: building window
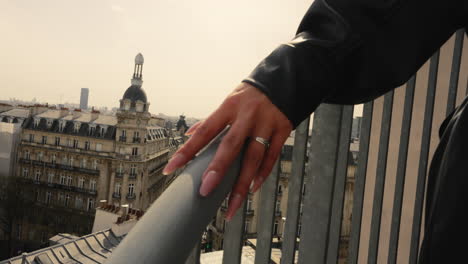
134, 151
67, 199
299, 226
92, 130
50, 177
40, 154
27, 155
98, 146
69, 180
37, 195
131, 189
280, 189
103, 131
83, 163
117, 188
81, 183
61, 198
57, 141
278, 206
69, 143
63, 179
44, 139
37, 176
48, 197
120, 168
31, 137
76, 127
49, 123
70, 162
95, 164
133, 169
62, 125
64, 160
249, 204
18, 231
92, 185
36, 122
90, 204
78, 202
53, 159
25, 172
75, 143
246, 227
86, 145
275, 228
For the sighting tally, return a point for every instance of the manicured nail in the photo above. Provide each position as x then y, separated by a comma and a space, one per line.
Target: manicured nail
177, 161
208, 183
257, 185
234, 203
191, 130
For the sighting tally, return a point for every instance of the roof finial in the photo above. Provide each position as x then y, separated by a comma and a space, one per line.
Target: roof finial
138, 71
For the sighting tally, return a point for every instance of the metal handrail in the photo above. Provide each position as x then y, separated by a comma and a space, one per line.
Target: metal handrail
181, 215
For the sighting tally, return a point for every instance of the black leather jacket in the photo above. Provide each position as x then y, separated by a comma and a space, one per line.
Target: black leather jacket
352, 51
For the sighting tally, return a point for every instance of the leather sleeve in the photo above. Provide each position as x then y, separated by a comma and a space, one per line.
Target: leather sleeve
352, 51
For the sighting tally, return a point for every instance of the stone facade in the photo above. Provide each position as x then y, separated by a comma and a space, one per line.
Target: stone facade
69, 160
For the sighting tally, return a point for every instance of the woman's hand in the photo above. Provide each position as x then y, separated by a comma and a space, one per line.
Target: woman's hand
250, 114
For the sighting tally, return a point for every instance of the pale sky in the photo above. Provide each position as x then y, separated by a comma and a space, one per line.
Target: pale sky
195, 52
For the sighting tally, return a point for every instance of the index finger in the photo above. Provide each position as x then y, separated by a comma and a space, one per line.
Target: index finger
212, 126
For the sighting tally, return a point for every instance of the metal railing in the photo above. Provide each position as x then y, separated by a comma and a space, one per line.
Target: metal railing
182, 215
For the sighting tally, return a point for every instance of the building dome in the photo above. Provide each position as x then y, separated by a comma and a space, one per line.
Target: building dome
135, 93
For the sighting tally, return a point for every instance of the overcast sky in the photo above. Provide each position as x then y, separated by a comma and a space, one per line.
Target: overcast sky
195, 51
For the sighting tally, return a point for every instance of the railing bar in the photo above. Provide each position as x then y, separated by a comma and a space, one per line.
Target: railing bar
268, 196
234, 237
320, 181
340, 184
295, 183
455, 71
360, 182
401, 170
380, 178
423, 158
194, 257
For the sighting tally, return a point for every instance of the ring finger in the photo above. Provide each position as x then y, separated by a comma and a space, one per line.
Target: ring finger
251, 162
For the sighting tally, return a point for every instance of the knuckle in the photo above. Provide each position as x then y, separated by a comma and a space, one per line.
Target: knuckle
231, 141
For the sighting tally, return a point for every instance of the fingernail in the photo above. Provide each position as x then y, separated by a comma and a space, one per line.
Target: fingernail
208, 183
234, 203
177, 161
257, 185
191, 129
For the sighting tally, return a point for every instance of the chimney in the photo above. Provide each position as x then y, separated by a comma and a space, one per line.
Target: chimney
63, 111
102, 203
125, 208
76, 113
94, 114
38, 109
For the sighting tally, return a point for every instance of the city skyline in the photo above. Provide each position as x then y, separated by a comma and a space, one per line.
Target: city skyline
196, 53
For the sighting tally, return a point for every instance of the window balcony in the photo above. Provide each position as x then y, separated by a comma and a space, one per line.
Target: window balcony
123, 139
116, 195
136, 140
132, 175
119, 174
131, 196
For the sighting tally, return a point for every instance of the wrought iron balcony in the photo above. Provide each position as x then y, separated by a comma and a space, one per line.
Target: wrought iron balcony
131, 196
115, 195
136, 140
119, 174
132, 175
122, 139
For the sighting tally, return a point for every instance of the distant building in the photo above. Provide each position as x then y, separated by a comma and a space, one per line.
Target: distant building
356, 128
84, 98
69, 159
9, 136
